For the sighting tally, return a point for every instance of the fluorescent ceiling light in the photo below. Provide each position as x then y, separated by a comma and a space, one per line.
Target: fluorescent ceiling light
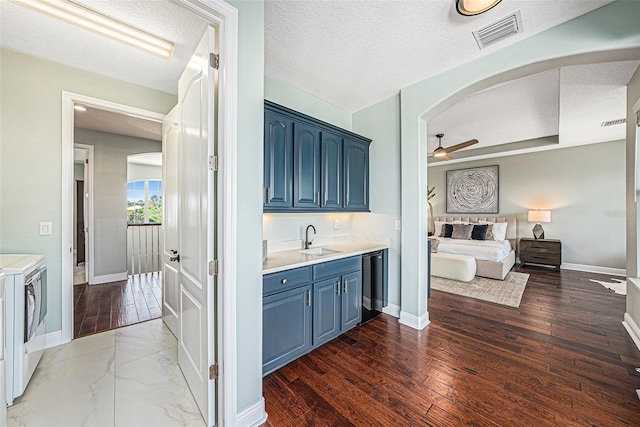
474, 7
93, 21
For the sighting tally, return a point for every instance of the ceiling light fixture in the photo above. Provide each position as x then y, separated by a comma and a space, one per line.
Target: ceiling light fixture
79, 107
474, 7
93, 21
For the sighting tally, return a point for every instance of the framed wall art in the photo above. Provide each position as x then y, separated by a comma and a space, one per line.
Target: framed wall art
473, 190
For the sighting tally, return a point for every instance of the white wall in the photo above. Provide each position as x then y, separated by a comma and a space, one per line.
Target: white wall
137, 171
583, 187
31, 153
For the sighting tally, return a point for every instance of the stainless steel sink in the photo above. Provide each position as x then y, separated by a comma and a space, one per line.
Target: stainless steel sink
320, 251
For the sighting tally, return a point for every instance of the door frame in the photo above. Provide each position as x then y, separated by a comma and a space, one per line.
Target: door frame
89, 270
225, 17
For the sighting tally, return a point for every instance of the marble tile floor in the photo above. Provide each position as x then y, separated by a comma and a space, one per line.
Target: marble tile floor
128, 377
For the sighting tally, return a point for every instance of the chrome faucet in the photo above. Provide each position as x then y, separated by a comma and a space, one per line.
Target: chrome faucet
307, 243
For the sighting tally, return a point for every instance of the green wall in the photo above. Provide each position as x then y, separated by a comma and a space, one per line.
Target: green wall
249, 201
381, 122
610, 33
584, 187
31, 153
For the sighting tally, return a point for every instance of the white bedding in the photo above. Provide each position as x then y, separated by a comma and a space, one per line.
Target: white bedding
489, 250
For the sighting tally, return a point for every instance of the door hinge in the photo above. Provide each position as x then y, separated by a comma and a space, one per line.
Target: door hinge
213, 163
86, 161
213, 267
213, 372
214, 60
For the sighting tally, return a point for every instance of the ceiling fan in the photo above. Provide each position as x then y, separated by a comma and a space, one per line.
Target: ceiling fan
443, 153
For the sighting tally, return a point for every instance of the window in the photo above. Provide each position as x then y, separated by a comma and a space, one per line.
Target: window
144, 201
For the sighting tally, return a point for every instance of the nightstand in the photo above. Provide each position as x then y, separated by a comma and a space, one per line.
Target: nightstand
541, 251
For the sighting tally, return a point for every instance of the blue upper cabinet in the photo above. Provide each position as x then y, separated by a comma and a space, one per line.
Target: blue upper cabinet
312, 166
278, 160
331, 167
356, 176
306, 166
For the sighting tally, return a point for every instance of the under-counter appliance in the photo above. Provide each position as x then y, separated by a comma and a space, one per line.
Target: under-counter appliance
374, 285
25, 310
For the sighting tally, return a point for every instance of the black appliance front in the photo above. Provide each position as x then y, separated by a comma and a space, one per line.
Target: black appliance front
374, 294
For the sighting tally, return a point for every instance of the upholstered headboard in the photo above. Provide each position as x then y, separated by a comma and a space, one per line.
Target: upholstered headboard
511, 224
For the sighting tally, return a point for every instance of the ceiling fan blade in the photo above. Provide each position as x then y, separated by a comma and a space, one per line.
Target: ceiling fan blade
446, 156
461, 145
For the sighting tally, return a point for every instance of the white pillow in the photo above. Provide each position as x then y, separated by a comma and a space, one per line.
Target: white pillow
499, 230
437, 231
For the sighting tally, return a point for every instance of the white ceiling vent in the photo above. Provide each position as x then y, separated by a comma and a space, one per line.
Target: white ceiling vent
504, 27
613, 123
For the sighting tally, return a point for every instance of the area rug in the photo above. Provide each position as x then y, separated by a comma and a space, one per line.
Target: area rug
618, 286
505, 292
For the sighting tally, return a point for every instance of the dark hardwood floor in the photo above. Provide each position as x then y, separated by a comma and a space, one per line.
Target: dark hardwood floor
99, 308
562, 358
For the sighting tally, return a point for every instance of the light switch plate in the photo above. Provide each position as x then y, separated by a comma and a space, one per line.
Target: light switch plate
45, 229
336, 224
398, 224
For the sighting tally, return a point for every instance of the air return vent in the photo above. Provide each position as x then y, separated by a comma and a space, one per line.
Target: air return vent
613, 123
505, 27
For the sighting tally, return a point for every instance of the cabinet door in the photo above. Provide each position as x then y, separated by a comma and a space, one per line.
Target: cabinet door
326, 310
351, 300
286, 327
331, 152
356, 175
306, 166
278, 161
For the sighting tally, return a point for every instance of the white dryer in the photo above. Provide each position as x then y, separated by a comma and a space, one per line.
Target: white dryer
26, 308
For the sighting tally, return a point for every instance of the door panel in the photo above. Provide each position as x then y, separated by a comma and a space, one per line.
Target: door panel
278, 162
80, 222
326, 310
356, 175
351, 299
196, 222
331, 171
306, 166
171, 241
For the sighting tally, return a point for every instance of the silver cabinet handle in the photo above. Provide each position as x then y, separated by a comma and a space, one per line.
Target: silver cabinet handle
309, 298
268, 199
345, 286
284, 281
326, 197
347, 199
338, 287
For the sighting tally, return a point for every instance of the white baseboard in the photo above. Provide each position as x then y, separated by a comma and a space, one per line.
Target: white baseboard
391, 310
595, 269
414, 321
253, 416
115, 277
52, 339
632, 328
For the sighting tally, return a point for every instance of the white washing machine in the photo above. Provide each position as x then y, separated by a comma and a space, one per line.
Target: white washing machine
25, 300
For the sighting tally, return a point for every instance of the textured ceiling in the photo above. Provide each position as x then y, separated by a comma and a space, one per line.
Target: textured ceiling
354, 53
24, 30
119, 124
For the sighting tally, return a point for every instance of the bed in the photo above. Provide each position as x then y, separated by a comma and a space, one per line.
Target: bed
494, 259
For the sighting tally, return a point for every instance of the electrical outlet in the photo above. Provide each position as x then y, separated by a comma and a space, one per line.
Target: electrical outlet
336, 224
398, 224
45, 229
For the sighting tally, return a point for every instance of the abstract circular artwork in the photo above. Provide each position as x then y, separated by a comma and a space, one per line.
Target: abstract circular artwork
473, 190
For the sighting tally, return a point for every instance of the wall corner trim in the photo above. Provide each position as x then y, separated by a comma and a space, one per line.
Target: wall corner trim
253, 416
595, 269
414, 321
392, 310
632, 328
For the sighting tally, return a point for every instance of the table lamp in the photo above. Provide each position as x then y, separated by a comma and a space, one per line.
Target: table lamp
538, 217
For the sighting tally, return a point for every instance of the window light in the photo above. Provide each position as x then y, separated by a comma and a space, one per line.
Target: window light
93, 21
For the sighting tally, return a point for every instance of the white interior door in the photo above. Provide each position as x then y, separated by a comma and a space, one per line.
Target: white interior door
171, 243
196, 219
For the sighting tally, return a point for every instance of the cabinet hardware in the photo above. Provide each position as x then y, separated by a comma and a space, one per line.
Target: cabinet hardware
345, 287
347, 199
268, 195
309, 298
318, 197
338, 287
284, 281
326, 197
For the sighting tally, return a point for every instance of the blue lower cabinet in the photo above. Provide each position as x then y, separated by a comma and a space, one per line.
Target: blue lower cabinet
286, 327
326, 310
351, 300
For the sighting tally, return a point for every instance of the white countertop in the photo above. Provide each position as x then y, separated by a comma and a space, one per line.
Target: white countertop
19, 263
286, 260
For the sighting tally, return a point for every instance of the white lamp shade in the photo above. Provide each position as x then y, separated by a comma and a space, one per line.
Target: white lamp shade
539, 216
